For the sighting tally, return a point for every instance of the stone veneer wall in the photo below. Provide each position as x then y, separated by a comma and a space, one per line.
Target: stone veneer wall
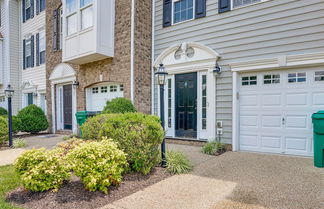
116, 69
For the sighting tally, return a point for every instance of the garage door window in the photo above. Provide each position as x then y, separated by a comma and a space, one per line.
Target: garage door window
95, 90
113, 88
319, 76
249, 80
296, 77
121, 87
271, 79
104, 89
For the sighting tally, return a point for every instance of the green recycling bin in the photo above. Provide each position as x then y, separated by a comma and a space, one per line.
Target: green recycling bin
318, 123
82, 117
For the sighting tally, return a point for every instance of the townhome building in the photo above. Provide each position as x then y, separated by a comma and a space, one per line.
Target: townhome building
9, 52
33, 52
247, 72
96, 50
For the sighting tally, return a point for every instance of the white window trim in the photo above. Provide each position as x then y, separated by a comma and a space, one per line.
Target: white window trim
297, 77
271, 74
247, 5
193, 11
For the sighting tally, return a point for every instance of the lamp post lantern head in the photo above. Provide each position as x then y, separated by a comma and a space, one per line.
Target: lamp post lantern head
161, 75
9, 91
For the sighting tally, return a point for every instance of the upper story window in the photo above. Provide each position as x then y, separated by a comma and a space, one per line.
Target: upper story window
79, 15
182, 10
240, 3
28, 52
41, 5
41, 45
28, 9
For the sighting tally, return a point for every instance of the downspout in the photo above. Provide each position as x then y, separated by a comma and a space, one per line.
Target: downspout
152, 57
133, 51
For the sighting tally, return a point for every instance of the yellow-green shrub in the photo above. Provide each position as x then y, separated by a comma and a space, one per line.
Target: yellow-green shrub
99, 164
3, 130
67, 146
42, 170
138, 135
90, 129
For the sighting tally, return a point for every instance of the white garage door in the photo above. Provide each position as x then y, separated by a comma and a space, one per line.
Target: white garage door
276, 108
98, 95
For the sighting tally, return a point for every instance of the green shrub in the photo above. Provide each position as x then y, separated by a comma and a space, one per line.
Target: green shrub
91, 128
19, 143
3, 111
212, 148
138, 135
98, 164
3, 130
16, 124
33, 119
68, 145
177, 162
42, 170
119, 105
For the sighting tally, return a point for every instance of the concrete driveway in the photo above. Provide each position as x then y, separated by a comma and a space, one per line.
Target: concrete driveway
235, 180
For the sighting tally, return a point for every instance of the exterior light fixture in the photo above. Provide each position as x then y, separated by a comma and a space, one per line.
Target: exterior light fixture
161, 76
76, 83
218, 69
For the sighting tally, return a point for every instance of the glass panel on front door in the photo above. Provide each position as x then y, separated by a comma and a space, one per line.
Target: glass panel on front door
186, 105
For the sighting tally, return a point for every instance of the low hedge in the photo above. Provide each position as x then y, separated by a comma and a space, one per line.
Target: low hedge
91, 129
42, 170
3, 130
138, 135
119, 105
3, 111
33, 119
98, 164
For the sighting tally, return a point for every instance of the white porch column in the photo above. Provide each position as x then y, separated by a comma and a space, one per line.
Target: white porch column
211, 105
53, 108
74, 109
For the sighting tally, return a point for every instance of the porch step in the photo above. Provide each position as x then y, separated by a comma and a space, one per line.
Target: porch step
64, 132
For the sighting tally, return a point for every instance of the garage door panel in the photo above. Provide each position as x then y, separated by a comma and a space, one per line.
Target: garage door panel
249, 100
297, 121
249, 121
296, 99
271, 121
318, 99
249, 140
272, 142
272, 100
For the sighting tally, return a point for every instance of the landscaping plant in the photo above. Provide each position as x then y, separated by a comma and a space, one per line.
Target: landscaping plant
19, 143
3, 112
177, 163
99, 164
138, 135
213, 148
3, 130
16, 124
91, 129
41, 170
119, 105
67, 146
33, 119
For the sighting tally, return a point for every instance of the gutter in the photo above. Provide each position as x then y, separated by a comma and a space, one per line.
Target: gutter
132, 51
152, 57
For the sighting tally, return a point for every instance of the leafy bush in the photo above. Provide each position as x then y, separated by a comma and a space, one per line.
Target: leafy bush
138, 135
3, 111
70, 144
3, 130
119, 105
16, 124
177, 162
98, 164
91, 128
41, 170
19, 143
212, 148
33, 119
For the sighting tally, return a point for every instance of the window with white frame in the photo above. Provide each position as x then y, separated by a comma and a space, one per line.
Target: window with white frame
60, 11
249, 80
204, 102
169, 102
2, 99
271, 79
42, 5
183, 10
240, 3
296, 77
42, 47
113, 88
28, 53
104, 89
319, 76
95, 90
28, 9
121, 88
79, 12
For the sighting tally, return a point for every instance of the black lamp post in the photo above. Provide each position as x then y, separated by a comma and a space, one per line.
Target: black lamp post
9, 94
161, 76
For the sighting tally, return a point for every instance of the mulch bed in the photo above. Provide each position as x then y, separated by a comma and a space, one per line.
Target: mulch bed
73, 195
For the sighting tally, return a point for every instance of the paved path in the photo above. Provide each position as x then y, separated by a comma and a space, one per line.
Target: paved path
234, 180
8, 157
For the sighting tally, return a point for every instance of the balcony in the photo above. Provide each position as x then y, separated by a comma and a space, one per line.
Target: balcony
88, 30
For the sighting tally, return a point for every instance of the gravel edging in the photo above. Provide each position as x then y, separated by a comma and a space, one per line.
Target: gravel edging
73, 195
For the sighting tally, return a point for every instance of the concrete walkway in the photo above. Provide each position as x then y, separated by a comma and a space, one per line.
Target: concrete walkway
8, 157
234, 180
